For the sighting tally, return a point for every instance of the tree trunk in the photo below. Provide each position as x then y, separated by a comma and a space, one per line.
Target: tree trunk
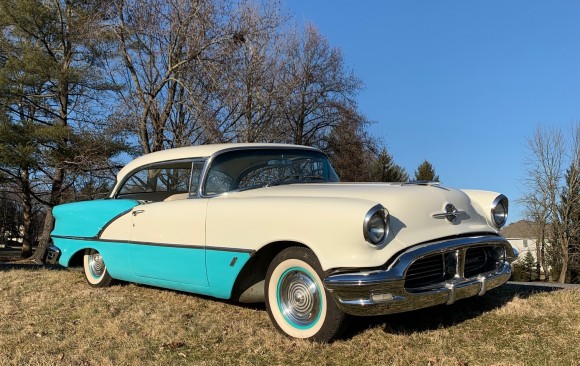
565, 259
55, 193
26, 224
58, 178
541, 256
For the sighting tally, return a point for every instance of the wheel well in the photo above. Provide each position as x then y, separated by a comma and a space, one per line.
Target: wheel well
251, 277
77, 259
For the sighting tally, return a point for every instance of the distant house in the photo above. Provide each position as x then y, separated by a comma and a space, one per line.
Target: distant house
522, 236
524, 245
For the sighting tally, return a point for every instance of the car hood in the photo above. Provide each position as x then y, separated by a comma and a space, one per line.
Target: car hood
411, 206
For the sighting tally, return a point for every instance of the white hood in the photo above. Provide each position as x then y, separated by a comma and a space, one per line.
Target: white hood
411, 206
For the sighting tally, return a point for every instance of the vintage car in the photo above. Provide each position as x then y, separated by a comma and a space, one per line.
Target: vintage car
272, 223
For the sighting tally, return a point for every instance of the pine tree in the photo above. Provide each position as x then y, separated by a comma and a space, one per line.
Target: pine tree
529, 267
426, 172
386, 170
52, 90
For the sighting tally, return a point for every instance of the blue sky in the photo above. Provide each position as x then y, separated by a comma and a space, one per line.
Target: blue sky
460, 83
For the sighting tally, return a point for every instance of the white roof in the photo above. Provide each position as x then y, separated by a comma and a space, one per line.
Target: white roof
199, 151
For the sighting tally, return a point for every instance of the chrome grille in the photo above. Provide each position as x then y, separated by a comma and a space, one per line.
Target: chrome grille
479, 260
436, 268
426, 271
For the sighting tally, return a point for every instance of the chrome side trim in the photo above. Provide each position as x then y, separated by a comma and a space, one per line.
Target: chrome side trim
382, 291
112, 220
168, 245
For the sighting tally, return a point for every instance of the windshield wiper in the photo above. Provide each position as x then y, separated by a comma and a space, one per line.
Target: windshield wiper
280, 182
313, 177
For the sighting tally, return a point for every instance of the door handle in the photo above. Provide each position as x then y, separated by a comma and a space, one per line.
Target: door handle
137, 212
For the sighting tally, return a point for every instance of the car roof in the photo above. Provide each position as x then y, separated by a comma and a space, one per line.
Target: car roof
189, 152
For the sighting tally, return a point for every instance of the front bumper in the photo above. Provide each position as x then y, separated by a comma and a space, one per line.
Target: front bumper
383, 291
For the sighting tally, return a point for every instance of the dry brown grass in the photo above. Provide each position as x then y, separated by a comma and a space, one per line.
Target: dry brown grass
51, 317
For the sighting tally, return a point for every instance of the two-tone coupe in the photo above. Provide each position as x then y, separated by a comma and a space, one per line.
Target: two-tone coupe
271, 222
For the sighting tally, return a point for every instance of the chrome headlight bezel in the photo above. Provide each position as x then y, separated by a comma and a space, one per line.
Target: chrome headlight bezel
377, 214
499, 211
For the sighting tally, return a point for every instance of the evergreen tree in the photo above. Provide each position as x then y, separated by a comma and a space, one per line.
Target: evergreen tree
350, 148
426, 172
529, 267
52, 90
386, 170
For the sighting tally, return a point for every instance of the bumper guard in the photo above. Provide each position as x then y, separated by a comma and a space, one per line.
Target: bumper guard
52, 255
379, 292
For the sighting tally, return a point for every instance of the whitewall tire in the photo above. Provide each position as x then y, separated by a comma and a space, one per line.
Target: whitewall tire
296, 300
95, 269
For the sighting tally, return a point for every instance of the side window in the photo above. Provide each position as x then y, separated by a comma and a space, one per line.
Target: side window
217, 182
196, 170
155, 183
141, 181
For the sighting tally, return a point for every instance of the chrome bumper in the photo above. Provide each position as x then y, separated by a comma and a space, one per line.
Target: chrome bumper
52, 255
380, 292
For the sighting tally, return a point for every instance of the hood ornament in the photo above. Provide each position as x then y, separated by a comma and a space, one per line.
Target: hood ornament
450, 213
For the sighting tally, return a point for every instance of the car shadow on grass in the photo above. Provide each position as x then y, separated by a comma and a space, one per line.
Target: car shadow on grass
444, 316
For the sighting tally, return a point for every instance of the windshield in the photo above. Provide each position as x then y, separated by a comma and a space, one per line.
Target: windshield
247, 169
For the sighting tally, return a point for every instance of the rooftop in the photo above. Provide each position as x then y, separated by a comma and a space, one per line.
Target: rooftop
199, 151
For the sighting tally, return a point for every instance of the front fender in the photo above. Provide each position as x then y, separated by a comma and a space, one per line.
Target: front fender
331, 227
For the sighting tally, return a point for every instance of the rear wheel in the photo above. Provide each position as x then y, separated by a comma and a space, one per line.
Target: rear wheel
95, 269
296, 300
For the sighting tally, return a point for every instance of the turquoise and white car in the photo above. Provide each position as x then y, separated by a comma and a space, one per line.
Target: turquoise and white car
272, 223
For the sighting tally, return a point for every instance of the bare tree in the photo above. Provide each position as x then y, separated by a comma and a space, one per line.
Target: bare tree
566, 225
552, 198
160, 42
317, 87
544, 164
250, 81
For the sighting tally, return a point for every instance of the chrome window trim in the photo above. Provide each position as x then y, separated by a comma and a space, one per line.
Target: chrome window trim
228, 150
195, 195
117, 188
207, 165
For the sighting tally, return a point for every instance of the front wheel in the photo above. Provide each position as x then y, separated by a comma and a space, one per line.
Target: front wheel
95, 271
296, 300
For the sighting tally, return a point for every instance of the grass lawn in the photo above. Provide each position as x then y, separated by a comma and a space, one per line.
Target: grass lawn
51, 317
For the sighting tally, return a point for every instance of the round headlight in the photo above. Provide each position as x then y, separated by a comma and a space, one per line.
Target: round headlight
499, 210
376, 225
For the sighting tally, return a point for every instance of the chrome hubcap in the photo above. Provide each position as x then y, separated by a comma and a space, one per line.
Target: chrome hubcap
96, 264
299, 298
